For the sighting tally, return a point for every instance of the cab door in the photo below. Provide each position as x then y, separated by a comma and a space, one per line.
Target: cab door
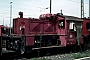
62, 32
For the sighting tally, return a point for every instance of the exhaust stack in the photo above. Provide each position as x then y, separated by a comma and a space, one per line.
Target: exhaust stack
21, 14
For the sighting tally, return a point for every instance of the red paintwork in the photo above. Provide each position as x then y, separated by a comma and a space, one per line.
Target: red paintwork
45, 26
15, 25
49, 27
62, 33
61, 18
34, 26
29, 39
70, 41
1, 30
65, 34
45, 15
84, 30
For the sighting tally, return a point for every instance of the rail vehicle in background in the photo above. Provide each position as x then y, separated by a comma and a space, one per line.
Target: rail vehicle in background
4, 32
48, 31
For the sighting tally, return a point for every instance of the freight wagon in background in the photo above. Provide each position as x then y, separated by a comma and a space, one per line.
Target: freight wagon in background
48, 31
86, 32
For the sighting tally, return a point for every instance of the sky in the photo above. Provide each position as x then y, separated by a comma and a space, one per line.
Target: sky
33, 8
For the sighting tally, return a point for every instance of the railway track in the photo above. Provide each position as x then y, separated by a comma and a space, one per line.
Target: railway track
11, 55
8, 55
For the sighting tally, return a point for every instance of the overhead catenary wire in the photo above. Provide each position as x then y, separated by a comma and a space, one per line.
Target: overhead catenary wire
25, 9
31, 6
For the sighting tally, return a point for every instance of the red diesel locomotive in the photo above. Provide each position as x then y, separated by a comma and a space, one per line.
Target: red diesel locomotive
48, 31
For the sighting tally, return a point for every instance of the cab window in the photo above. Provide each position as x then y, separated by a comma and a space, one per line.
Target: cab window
72, 26
88, 26
61, 24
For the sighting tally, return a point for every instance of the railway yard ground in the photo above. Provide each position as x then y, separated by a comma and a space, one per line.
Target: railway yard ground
67, 56
80, 55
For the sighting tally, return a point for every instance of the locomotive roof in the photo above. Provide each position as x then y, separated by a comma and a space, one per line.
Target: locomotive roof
72, 18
